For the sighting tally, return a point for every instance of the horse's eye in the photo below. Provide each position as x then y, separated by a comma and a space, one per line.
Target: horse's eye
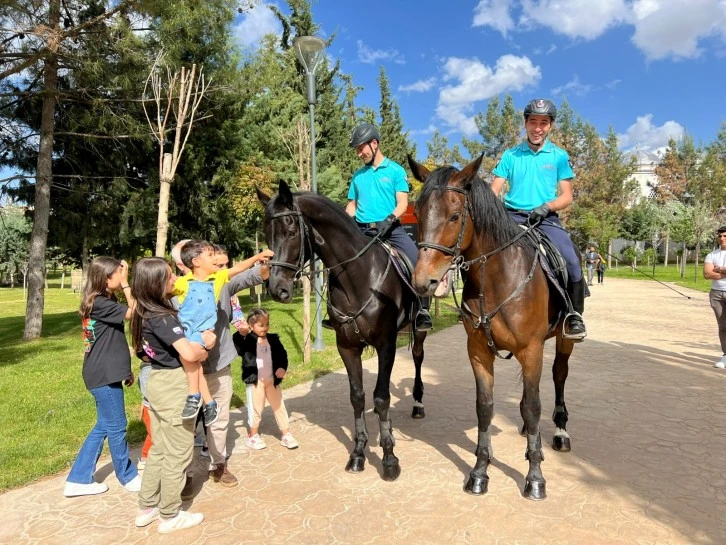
455, 217
291, 234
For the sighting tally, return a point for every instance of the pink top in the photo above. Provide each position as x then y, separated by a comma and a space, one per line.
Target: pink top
264, 359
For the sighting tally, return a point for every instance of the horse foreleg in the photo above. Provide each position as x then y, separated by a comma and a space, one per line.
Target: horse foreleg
418, 387
352, 360
382, 403
560, 370
531, 408
482, 363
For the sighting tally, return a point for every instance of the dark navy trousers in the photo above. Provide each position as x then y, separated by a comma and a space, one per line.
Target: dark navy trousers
552, 227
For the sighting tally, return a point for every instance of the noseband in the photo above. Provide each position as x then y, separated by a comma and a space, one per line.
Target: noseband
455, 250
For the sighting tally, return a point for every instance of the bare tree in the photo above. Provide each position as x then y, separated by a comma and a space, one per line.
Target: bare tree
176, 94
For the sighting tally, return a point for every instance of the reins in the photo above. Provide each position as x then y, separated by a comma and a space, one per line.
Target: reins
484, 319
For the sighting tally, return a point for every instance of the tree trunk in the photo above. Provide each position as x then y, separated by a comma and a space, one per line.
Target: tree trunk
667, 243
162, 223
63, 277
84, 257
44, 174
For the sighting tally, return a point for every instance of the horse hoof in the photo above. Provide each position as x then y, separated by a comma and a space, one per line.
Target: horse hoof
561, 444
477, 486
391, 473
355, 464
418, 412
534, 490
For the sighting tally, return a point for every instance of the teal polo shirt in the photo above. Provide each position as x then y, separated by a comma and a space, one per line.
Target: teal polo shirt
374, 190
533, 177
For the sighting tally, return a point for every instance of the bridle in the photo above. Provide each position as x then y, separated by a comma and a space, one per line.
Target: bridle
455, 250
301, 261
484, 319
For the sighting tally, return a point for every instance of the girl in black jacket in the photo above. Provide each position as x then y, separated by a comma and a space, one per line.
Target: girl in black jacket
264, 364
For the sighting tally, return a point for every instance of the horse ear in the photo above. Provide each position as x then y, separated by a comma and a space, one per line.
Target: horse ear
263, 197
470, 171
419, 171
285, 195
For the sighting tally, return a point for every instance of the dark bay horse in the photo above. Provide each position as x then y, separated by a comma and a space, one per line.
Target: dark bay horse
507, 304
366, 301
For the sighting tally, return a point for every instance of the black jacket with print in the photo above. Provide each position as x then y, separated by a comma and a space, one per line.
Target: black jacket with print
247, 348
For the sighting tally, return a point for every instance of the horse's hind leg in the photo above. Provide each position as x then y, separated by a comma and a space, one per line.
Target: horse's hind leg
531, 409
352, 359
482, 363
418, 387
560, 369
382, 403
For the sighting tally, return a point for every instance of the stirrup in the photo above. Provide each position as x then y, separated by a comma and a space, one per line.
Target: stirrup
576, 337
427, 324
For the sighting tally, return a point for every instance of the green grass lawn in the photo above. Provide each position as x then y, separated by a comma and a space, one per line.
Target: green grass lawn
45, 409
693, 279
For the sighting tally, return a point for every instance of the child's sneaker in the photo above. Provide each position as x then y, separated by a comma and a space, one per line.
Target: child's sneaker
256, 442
288, 441
205, 450
182, 521
191, 407
141, 464
211, 413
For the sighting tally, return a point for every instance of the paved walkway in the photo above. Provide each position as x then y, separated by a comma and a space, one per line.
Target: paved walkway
647, 414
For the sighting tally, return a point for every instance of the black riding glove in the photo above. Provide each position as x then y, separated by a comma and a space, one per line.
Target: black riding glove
538, 214
384, 226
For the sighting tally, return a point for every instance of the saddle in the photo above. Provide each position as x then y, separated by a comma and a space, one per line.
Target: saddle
554, 266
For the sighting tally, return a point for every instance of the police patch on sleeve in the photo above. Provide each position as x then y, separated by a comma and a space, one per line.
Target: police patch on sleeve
178, 330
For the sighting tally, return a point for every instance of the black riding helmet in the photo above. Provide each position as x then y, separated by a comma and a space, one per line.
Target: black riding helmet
364, 133
540, 106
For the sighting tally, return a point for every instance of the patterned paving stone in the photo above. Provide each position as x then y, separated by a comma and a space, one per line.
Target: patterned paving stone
646, 419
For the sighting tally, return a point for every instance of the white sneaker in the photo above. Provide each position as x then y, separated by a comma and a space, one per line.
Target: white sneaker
256, 442
144, 517
141, 464
76, 489
288, 441
720, 364
134, 485
182, 521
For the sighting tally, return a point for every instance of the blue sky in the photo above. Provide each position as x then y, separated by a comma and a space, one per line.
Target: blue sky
651, 69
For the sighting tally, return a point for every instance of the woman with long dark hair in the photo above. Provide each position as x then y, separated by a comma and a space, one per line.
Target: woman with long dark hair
158, 333
106, 367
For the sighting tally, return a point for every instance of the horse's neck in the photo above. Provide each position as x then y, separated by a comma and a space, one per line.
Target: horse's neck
342, 239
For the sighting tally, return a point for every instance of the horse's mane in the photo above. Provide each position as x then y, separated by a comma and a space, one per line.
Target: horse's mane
488, 213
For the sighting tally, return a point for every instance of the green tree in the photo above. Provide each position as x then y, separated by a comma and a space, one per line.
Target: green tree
395, 142
15, 231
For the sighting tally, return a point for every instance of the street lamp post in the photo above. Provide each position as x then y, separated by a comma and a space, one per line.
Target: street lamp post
310, 51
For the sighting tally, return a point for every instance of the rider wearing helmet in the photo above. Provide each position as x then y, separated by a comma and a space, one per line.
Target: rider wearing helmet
377, 197
540, 183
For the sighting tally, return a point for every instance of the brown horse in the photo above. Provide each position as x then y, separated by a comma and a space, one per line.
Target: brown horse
507, 303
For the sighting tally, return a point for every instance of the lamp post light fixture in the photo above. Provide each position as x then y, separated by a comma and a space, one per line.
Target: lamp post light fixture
310, 51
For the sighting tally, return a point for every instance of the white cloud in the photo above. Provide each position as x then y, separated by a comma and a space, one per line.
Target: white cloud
255, 25
476, 82
367, 55
431, 129
420, 86
494, 13
644, 135
666, 28
613, 84
661, 28
574, 18
573, 87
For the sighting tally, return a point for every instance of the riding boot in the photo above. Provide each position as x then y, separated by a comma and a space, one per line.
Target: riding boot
575, 327
423, 320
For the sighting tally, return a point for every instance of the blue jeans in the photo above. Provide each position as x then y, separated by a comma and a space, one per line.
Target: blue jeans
111, 423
